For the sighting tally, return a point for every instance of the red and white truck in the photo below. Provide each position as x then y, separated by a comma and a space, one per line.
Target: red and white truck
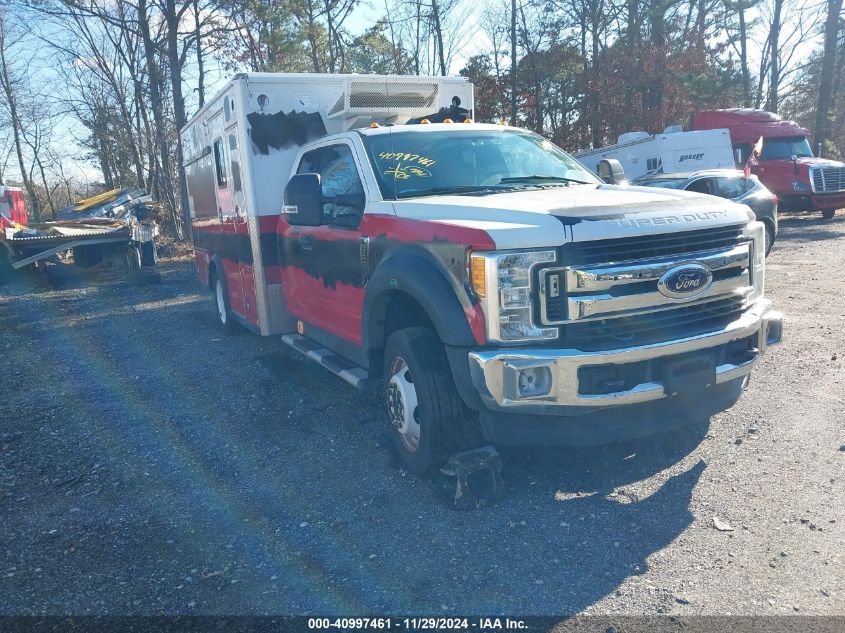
786, 164
491, 287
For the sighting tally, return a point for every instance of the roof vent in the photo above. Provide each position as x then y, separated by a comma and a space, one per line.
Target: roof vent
630, 137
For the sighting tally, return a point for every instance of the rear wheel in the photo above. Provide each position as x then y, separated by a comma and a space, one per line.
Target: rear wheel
827, 214
6, 268
149, 254
133, 259
428, 417
224, 314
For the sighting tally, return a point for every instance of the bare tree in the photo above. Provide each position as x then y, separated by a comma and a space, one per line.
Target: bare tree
826, 78
11, 86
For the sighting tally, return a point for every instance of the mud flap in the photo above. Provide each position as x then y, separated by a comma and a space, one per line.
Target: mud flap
477, 476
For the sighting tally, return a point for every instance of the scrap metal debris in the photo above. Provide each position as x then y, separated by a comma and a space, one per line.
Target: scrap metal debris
721, 525
478, 476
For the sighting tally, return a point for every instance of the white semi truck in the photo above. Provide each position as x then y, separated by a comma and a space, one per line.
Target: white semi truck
487, 284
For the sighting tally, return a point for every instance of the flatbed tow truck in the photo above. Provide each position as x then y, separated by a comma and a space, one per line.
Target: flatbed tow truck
112, 232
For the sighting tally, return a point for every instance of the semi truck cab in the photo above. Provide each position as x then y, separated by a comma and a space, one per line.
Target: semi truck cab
478, 277
786, 165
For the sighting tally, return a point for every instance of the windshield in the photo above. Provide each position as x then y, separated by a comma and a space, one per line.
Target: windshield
412, 164
784, 148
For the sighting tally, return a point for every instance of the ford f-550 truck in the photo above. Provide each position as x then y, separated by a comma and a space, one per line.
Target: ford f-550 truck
485, 282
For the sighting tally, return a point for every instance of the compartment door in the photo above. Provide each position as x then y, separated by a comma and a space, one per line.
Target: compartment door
230, 249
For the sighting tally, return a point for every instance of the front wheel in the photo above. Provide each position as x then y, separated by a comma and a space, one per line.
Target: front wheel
770, 237
428, 417
828, 214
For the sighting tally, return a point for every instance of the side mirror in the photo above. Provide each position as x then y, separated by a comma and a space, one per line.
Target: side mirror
304, 200
610, 171
793, 158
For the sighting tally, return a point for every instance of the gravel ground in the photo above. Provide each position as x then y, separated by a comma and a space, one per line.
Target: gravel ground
150, 465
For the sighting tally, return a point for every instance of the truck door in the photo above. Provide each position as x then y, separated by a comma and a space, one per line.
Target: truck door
230, 249
323, 262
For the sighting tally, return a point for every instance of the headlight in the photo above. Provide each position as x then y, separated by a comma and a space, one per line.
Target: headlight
503, 282
756, 231
797, 185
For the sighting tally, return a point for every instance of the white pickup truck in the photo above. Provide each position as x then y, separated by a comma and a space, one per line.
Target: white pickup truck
492, 287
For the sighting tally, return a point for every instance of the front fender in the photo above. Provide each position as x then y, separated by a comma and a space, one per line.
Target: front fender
447, 304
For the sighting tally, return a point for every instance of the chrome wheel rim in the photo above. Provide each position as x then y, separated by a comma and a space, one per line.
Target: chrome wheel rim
221, 302
402, 404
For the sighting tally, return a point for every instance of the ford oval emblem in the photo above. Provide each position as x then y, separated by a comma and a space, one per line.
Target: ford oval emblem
685, 281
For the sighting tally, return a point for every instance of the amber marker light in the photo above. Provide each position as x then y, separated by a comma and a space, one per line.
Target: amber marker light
448, 121
479, 278
425, 122
374, 124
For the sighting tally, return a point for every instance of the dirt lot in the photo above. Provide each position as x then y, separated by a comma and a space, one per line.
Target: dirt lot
149, 464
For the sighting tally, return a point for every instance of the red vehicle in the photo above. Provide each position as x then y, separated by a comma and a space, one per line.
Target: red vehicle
12, 207
786, 164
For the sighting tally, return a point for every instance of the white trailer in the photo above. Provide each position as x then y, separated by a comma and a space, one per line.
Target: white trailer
641, 153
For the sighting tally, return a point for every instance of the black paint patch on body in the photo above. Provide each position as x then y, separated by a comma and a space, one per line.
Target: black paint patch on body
283, 130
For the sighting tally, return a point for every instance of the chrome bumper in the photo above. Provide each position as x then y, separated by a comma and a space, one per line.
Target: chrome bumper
496, 373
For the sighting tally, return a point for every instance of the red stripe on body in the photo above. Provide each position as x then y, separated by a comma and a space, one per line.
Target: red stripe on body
406, 230
337, 310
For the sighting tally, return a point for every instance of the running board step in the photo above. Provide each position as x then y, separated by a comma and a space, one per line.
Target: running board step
338, 365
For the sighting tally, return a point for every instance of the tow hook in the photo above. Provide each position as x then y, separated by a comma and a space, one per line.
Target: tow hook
478, 477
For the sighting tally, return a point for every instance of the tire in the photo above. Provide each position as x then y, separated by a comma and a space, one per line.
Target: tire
221, 302
133, 259
429, 420
149, 254
6, 268
769, 237
828, 214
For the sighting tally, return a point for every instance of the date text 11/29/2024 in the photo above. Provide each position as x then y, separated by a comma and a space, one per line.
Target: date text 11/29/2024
419, 623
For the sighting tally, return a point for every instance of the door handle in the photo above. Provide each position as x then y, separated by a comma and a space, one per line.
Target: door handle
307, 242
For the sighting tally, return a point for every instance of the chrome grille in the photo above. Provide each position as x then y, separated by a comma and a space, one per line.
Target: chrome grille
828, 179
655, 326
599, 304
617, 290
650, 246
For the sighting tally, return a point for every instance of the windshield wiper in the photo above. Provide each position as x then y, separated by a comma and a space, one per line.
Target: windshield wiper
438, 191
545, 178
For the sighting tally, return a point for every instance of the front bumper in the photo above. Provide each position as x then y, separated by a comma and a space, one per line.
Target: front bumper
811, 201
496, 374
832, 200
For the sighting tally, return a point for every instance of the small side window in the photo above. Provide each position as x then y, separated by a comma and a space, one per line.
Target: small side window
220, 163
236, 167
741, 152
731, 187
342, 189
310, 163
702, 185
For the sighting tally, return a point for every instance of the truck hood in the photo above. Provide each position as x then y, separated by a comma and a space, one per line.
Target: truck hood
811, 161
534, 218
